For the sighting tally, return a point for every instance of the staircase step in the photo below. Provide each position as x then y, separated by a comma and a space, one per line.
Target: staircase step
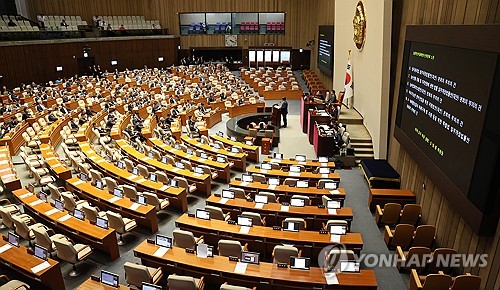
361, 145
362, 150
361, 140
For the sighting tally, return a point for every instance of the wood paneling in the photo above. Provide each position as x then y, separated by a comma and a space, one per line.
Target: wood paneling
452, 230
37, 62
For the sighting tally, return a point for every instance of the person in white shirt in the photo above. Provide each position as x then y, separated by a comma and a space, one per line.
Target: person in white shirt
41, 20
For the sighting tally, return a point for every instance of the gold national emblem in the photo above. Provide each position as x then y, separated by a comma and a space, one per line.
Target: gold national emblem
359, 23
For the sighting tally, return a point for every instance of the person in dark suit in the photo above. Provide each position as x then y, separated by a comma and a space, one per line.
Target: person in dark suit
13, 122
40, 107
64, 110
284, 111
26, 114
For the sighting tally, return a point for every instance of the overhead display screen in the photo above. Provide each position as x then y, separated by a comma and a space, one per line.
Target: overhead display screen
325, 49
443, 100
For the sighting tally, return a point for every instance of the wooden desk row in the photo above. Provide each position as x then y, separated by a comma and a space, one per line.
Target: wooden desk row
212, 118
312, 177
51, 158
223, 169
79, 230
264, 276
305, 105
252, 151
263, 239
19, 260
202, 181
285, 192
176, 196
249, 108
239, 159
144, 215
275, 213
308, 164
90, 284
8, 174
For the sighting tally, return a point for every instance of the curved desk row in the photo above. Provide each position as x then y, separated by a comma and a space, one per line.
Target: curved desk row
251, 150
176, 196
312, 177
308, 164
80, 230
8, 173
219, 269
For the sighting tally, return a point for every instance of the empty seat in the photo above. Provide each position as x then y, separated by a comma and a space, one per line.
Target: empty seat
231, 248
24, 227
424, 236
401, 236
152, 199
42, 238
429, 282
217, 213
282, 254
256, 219
389, 215
185, 239
412, 256
72, 253
120, 224
177, 282
410, 214
136, 274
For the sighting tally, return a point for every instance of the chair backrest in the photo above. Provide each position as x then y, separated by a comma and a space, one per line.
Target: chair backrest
257, 177
436, 282
440, 255
152, 199
307, 200
55, 194
176, 282
42, 238
184, 239
187, 164
410, 214
215, 212
282, 254
301, 221
424, 236
418, 254
90, 212
238, 192
110, 183
69, 201
136, 274
228, 248
21, 227
271, 197
66, 251
94, 176
115, 221
290, 181
321, 182
143, 170
403, 234
129, 191
129, 165
256, 219
391, 213
466, 282
7, 218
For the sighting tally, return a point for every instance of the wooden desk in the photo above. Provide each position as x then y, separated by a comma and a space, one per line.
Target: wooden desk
323, 144
176, 196
314, 216
14, 139
144, 215
218, 270
277, 94
285, 192
19, 260
94, 285
251, 150
51, 158
312, 177
212, 118
244, 109
223, 169
309, 164
314, 117
380, 196
8, 174
305, 105
80, 230
263, 239
202, 181
239, 159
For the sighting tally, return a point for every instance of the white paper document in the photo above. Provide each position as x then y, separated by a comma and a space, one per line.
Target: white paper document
25, 195
263, 171
161, 251
335, 191
285, 208
36, 202
165, 187
323, 164
259, 205
78, 182
223, 200
272, 187
134, 206
40, 267
114, 199
294, 174
64, 218
324, 175
244, 183
141, 180
335, 238
52, 211
5, 248
244, 230
332, 211
240, 268
331, 279
202, 251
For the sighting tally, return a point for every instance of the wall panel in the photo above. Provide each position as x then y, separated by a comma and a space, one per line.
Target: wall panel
452, 231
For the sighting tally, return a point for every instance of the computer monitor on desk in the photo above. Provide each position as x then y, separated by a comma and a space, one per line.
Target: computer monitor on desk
246, 177
40, 252
299, 202
229, 194
245, 221
333, 204
274, 181
102, 223
163, 241
148, 286
323, 159
202, 214
330, 185
13, 239
300, 263
291, 226
110, 279
278, 156
324, 170
300, 158
302, 183
338, 230
250, 258
295, 169
118, 192
349, 266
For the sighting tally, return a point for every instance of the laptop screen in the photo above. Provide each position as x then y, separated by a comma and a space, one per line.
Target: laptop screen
147, 286
164, 159
297, 202
174, 183
349, 266
42, 196
120, 164
302, 184
266, 166
247, 178
179, 165
198, 170
102, 223
295, 168
291, 226
260, 198
250, 257
333, 204
245, 221
330, 185
110, 279
31, 188
135, 171
324, 170
221, 159
153, 177
79, 214
229, 194
141, 199
278, 156
202, 214
274, 181
40, 252
300, 263
323, 159
118, 192
13, 239
83, 176
163, 241
300, 158
338, 230
59, 205
98, 184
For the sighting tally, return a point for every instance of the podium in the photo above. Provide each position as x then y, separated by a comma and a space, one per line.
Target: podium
276, 116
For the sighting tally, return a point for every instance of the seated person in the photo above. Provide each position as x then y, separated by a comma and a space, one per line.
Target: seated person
240, 101
192, 125
252, 125
262, 126
52, 117
74, 125
13, 122
26, 114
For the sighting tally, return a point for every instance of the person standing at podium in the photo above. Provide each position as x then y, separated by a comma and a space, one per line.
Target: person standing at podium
284, 111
